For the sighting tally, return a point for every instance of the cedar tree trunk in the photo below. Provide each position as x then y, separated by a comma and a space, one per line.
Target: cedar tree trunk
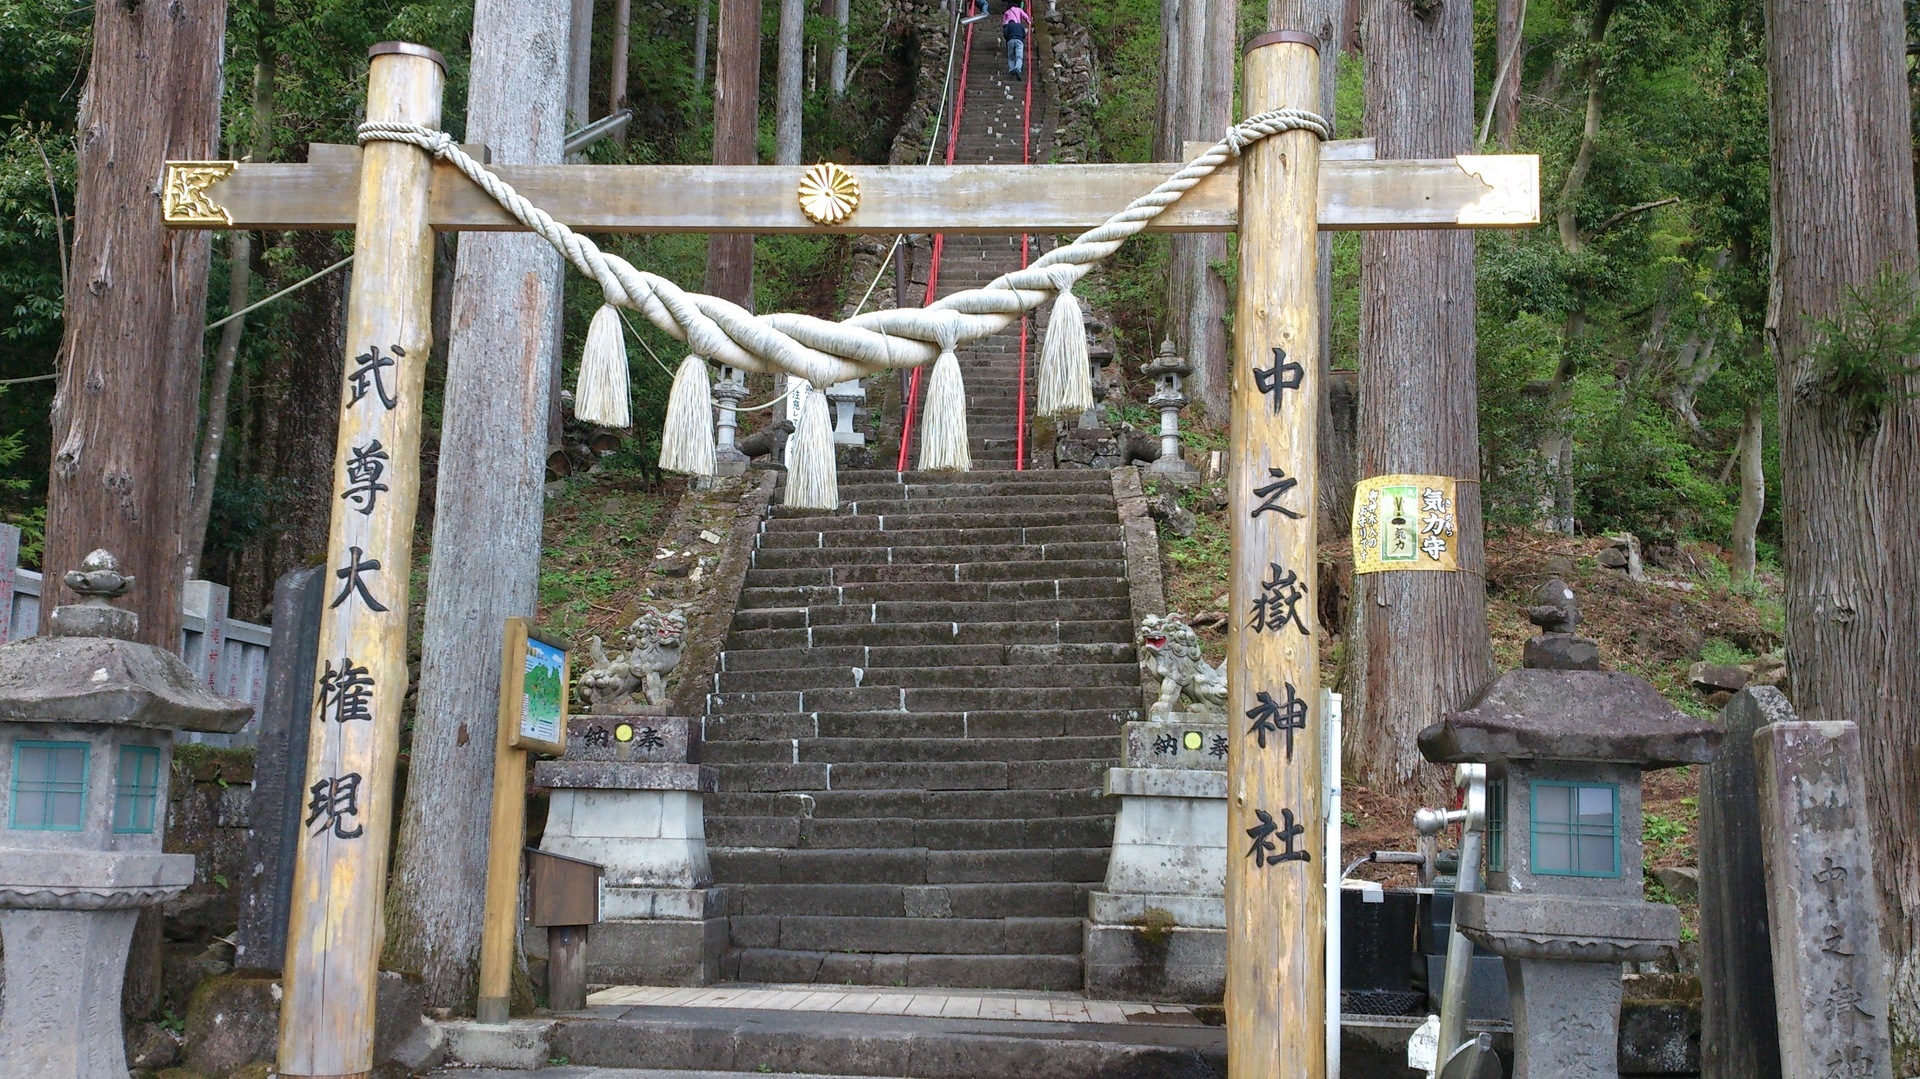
1421, 637
1843, 214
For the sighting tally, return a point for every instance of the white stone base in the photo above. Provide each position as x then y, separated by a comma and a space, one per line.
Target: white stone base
646, 839
1169, 858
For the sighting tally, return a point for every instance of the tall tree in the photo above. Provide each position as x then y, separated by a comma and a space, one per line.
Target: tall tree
736, 131
1324, 19
129, 389
1843, 220
226, 355
580, 62
1508, 47
488, 507
1421, 637
617, 66
788, 72
1201, 83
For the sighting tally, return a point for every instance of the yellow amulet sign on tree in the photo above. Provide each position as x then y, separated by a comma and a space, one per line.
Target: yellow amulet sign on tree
1404, 522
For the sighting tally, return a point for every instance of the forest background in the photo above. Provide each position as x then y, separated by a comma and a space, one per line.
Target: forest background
1621, 351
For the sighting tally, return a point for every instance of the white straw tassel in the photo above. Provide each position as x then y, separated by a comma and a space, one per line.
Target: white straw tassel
811, 484
943, 431
600, 395
1066, 389
686, 441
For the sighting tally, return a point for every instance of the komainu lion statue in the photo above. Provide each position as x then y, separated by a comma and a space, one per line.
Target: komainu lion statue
655, 638
653, 644
1171, 652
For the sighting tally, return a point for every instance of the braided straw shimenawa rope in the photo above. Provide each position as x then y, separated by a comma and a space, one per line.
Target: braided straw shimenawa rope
823, 352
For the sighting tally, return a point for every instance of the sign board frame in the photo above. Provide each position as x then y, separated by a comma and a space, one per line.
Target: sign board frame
520, 640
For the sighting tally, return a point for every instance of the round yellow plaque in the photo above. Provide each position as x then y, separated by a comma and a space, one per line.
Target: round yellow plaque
623, 732
829, 193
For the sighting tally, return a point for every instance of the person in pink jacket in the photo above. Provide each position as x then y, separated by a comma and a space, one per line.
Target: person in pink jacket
1013, 27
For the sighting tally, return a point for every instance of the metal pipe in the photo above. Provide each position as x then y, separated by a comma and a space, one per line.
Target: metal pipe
1330, 771
578, 140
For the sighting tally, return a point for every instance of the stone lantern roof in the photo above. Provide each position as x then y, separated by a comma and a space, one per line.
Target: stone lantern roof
89, 670
1598, 716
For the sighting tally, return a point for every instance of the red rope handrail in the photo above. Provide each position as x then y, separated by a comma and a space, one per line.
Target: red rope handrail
939, 243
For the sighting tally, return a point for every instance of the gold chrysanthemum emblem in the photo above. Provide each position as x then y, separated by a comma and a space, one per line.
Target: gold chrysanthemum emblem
829, 193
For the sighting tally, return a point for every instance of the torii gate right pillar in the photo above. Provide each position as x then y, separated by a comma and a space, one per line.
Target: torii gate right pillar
1276, 899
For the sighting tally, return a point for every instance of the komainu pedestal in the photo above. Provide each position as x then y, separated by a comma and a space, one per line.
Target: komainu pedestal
628, 795
1157, 929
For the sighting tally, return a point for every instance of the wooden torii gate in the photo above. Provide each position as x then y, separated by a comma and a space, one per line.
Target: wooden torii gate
1284, 189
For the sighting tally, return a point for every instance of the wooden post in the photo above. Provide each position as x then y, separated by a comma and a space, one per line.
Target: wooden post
505, 838
566, 967
1276, 902
335, 932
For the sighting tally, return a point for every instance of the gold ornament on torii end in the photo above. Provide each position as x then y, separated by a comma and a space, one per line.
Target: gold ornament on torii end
829, 193
184, 195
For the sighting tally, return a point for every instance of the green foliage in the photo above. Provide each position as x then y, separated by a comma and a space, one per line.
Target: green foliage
1862, 355
1723, 653
1663, 832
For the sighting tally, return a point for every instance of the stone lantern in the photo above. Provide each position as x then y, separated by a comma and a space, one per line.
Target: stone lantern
728, 458
87, 717
1564, 750
1167, 370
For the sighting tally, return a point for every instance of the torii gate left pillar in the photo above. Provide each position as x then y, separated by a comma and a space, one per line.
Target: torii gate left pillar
1287, 187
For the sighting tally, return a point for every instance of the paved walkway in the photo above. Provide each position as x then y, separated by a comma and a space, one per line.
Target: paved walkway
944, 1003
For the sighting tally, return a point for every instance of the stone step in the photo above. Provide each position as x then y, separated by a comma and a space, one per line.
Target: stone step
1110, 551
787, 726
1055, 482
874, 749
1031, 900
872, 833
902, 539
1022, 676
1002, 506
912, 804
907, 865
951, 611
774, 656
978, 565
909, 936
930, 699
857, 594
1039, 972
712, 1043
913, 476
787, 519
1051, 774
1034, 634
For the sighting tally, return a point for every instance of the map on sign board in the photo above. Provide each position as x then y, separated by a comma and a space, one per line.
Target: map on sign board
542, 694
1405, 522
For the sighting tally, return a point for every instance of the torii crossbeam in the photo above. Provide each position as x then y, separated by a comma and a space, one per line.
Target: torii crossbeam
1286, 188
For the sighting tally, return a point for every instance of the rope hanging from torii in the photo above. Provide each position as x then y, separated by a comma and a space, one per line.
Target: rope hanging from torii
823, 352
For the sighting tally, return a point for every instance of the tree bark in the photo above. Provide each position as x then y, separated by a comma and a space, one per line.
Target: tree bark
1753, 493
788, 73
1507, 52
239, 282
488, 508
128, 397
837, 69
702, 30
1843, 213
1197, 292
1167, 126
580, 62
736, 131
1422, 646
1325, 20
617, 66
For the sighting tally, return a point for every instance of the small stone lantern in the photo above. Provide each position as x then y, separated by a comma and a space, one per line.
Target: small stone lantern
87, 717
728, 458
1167, 370
1565, 749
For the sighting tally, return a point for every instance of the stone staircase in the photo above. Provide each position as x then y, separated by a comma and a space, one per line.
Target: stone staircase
919, 696
990, 127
